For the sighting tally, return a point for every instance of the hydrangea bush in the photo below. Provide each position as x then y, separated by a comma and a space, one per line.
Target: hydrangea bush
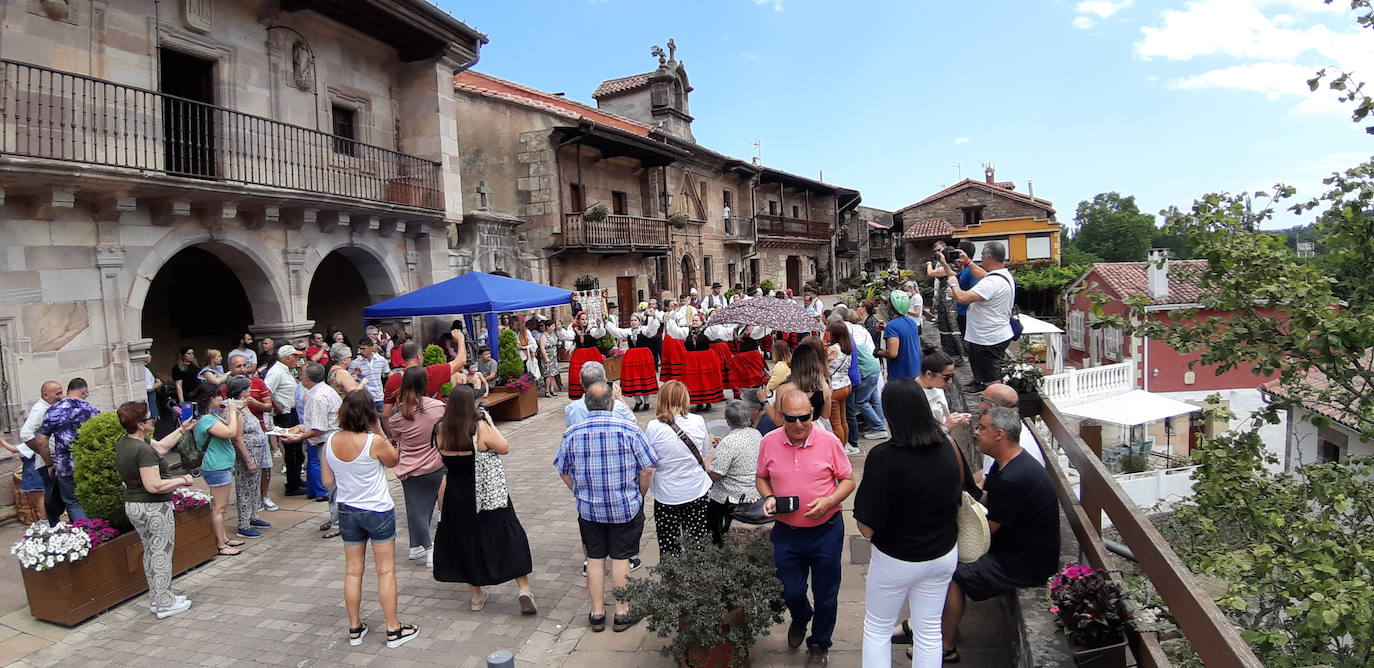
44, 546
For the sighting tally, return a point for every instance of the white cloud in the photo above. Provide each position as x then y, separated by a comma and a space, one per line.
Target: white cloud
962, 140
1082, 22
1102, 9
777, 4
1277, 45
749, 55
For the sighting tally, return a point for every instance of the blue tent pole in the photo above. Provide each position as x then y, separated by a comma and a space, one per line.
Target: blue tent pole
493, 341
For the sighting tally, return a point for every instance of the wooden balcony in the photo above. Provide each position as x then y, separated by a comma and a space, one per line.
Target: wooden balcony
53, 115
879, 251
782, 226
739, 230
846, 247
616, 234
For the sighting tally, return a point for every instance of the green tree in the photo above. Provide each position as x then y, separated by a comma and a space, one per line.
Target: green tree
1112, 227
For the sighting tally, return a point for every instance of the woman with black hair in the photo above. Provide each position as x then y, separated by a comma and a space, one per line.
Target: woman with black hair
479, 540
185, 374
907, 505
219, 428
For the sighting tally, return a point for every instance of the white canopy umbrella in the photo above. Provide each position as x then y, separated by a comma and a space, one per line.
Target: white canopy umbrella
1054, 339
1131, 409
1033, 325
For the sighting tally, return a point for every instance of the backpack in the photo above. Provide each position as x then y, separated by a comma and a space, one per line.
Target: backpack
1015, 322
191, 452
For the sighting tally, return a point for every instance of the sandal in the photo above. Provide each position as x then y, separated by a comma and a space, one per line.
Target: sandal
476, 606
597, 622
228, 551
904, 637
332, 534
356, 633
950, 656
326, 526
401, 636
234, 543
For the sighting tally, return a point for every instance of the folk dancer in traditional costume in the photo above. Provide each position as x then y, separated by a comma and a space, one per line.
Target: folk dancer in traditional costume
584, 337
673, 358
722, 337
746, 365
638, 376
701, 372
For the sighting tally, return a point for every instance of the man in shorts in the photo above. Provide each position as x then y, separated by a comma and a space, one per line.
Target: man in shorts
607, 464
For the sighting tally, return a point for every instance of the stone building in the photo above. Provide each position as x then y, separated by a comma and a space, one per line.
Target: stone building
875, 237
981, 211
173, 173
541, 160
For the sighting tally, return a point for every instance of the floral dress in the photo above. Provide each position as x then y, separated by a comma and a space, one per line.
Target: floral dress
247, 491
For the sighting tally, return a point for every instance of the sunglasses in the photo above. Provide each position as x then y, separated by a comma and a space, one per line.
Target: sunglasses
947, 376
797, 418
147, 419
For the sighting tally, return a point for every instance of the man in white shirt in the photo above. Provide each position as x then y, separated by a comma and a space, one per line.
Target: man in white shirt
989, 313
282, 384
714, 300
244, 349
812, 303
321, 418
30, 441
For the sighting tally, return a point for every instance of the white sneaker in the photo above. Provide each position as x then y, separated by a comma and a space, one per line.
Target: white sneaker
429, 558
268, 505
877, 435
416, 552
180, 605
852, 449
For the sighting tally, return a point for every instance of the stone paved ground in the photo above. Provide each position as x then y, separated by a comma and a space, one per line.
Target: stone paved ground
279, 603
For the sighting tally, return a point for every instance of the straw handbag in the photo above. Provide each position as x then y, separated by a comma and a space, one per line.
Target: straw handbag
974, 535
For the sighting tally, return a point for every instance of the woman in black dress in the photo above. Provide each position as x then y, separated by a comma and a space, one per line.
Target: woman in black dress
479, 540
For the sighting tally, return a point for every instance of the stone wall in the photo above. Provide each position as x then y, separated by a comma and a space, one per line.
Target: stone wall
950, 207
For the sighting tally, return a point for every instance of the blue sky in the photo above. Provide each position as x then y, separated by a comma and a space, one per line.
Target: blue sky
1163, 100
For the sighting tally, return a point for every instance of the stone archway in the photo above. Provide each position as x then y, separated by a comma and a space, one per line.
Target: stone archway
689, 274
202, 294
346, 280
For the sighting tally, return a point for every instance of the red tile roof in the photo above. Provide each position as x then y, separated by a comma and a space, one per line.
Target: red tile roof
1315, 382
1002, 188
621, 85
930, 228
493, 87
1126, 279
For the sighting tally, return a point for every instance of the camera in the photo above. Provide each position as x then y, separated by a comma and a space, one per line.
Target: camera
952, 255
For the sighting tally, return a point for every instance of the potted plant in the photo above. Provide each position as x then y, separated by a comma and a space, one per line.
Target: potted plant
77, 570
1022, 374
678, 220
596, 213
514, 397
1090, 608
614, 357
712, 619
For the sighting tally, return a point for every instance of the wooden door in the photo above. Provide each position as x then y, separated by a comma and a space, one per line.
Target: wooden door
625, 295
794, 274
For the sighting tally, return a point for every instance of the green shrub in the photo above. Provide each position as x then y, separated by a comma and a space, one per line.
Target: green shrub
510, 366
98, 485
434, 355
767, 285
605, 344
596, 213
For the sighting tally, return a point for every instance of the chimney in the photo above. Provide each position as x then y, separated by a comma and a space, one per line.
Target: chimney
1157, 273
989, 174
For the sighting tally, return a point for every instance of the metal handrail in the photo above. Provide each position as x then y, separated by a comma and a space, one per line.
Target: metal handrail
56, 115
1211, 635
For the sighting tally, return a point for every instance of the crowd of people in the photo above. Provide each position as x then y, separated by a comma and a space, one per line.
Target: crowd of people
339, 416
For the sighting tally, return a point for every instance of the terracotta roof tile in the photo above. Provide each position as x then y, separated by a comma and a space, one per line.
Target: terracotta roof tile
493, 87
1314, 381
929, 228
1126, 279
613, 86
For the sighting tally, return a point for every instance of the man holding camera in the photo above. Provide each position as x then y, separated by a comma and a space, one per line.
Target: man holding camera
988, 330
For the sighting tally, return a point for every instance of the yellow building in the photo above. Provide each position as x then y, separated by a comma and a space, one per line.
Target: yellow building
980, 212
1026, 239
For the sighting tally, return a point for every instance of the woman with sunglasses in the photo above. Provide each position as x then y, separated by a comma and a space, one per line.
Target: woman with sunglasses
937, 372
148, 500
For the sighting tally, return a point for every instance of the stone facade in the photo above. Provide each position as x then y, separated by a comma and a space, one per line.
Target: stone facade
147, 224
977, 211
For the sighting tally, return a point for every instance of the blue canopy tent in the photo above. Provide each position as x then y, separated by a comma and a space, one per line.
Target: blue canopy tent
472, 293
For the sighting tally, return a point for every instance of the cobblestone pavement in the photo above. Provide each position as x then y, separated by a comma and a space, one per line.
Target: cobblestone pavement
280, 602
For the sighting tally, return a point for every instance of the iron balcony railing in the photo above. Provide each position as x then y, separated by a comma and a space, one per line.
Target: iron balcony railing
56, 115
616, 233
782, 226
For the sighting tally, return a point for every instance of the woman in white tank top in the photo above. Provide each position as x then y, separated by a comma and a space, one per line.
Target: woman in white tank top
354, 465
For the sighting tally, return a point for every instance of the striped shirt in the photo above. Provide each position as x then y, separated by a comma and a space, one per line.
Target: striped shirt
374, 371
604, 456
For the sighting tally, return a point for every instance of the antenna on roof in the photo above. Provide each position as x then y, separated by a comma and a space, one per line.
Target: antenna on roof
958, 171
821, 176
758, 152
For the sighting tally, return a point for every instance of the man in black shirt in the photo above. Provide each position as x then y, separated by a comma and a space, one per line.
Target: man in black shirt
1023, 514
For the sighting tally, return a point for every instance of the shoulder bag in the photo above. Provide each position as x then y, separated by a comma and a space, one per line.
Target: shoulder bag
1015, 322
974, 536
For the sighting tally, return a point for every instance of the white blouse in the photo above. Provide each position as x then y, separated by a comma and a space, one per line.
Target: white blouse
678, 478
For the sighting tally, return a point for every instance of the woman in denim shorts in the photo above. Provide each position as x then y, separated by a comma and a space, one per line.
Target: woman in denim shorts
354, 465
220, 436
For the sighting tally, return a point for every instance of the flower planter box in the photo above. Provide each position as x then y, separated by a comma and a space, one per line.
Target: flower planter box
1108, 656
505, 403
612, 365
71, 593
1030, 405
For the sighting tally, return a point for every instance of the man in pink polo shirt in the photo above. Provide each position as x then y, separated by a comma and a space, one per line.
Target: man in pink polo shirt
802, 461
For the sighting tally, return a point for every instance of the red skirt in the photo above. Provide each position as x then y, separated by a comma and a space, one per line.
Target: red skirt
672, 359
580, 356
746, 370
637, 376
702, 376
722, 350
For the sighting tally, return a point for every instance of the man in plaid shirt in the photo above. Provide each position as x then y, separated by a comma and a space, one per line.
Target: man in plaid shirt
607, 464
